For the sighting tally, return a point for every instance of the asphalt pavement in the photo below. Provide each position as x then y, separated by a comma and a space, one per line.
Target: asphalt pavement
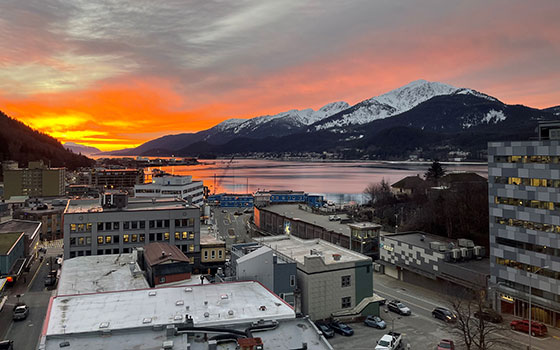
231, 220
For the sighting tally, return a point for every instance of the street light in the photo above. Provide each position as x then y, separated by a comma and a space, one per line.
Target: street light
530, 295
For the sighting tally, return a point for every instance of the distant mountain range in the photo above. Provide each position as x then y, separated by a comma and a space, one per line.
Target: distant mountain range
81, 149
429, 119
21, 143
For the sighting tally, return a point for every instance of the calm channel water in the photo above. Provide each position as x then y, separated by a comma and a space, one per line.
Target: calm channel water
338, 181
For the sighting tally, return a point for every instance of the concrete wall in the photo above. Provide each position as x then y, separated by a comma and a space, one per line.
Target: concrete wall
257, 268
8, 260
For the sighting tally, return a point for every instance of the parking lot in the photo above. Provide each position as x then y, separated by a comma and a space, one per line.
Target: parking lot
231, 224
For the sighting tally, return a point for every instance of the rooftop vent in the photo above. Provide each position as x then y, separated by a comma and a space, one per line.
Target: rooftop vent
152, 293
336, 257
178, 318
64, 344
206, 314
168, 344
224, 296
262, 308
205, 302
188, 289
179, 302
104, 325
230, 312
147, 320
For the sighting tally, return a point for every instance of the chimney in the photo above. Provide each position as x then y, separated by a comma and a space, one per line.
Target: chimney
336, 257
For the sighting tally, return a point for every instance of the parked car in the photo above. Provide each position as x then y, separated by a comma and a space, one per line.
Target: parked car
444, 314
341, 328
537, 329
20, 312
489, 315
389, 341
446, 344
7, 345
325, 329
398, 307
375, 322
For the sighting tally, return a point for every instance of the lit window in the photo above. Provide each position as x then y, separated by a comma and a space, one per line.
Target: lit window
177, 235
191, 247
72, 227
191, 235
134, 238
99, 239
108, 239
185, 235
166, 236
81, 241
126, 238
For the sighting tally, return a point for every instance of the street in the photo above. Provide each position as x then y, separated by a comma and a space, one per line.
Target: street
421, 330
228, 222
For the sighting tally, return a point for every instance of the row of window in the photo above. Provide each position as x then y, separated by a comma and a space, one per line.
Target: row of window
526, 181
528, 225
213, 254
346, 302
529, 268
527, 203
81, 227
527, 159
130, 225
528, 246
133, 238
534, 290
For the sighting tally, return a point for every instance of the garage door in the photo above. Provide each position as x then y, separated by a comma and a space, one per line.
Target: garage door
392, 271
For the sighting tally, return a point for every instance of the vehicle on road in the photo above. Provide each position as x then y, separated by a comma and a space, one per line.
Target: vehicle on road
375, 322
444, 314
224, 211
327, 331
341, 328
489, 315
446, 344
389, 341
21, 311
537, 328
398, 307
51, 279
7, 345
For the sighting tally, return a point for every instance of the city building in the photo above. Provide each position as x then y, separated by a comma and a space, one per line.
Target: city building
409, 185
330, 278
101, 273
113, 224
31, 231
111, 178
435, 262
304, 222
165, 263
37, 180
82, 191
50, 216
264, 198
255, 262
233, 200
223, 316
168, 186
524, 199
12, 249
212, 253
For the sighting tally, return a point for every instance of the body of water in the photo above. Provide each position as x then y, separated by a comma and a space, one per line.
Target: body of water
338, 181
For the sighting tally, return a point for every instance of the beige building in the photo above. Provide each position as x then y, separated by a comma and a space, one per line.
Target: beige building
212, 253
37, 180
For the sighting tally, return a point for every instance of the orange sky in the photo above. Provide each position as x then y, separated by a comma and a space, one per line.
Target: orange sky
116, 77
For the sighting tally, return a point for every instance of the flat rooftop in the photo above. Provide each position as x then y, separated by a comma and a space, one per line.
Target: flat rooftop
297, 249
293, 211
15, 225
7, 241
208, 305
418, 239
207, 238
290, 334
134, 204
101, 273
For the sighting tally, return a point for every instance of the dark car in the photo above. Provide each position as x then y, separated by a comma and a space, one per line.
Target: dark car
444, 314
398, 307
342, 328
489, 316
375, 322
6, 345
446, 344
325, 329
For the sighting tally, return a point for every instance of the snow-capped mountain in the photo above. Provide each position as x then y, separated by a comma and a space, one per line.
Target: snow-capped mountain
77, 148
392, 103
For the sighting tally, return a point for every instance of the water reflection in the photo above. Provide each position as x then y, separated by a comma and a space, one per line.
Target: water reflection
338, 181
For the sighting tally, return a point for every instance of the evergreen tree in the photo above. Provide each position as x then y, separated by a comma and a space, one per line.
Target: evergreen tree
435, 172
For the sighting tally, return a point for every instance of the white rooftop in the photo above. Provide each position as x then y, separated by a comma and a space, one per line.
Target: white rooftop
134, 204
101, 273
208, 305
297, 249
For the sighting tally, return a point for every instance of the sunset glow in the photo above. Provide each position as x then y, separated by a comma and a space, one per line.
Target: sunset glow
115, 76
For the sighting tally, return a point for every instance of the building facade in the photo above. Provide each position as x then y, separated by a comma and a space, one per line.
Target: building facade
212, 253
524, 201
37, 180
49, 216
114, 225
112, 178
169, 186
165, 263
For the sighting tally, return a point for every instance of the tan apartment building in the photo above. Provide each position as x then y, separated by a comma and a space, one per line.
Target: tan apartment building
37, 180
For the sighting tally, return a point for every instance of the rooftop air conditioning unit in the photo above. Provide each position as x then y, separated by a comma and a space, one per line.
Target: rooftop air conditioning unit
455, 254
466, 243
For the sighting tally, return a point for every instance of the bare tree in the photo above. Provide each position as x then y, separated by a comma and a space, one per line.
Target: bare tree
475, 330
378, 192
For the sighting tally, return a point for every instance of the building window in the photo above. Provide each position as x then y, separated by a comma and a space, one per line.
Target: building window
72, 241
191, 235
99, 251
141, 237
177, 236
346, 302
213, 255
345, 281
126, 225
134, 225
166, 236
116, 238
88, 240
81, 241
220, 254
185, 235
159, 236
126, 238
165, 223
108, 239
292, 280
107, 226
152, 237
99, 226
205, 255
134, 238
191, 247
162, 280
142, 224
99, 239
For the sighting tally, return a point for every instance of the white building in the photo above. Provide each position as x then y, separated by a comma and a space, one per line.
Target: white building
170, 186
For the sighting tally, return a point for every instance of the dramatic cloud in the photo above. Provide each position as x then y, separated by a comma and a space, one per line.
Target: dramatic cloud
116, 73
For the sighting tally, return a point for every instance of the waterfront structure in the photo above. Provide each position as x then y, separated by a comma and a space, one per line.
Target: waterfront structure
37, 180
199, 317
435, 262
233, 200
168, 186
253, 261
330, 278
264, 198
304, 222
113, 224
165, 263
111, 178
524, 200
